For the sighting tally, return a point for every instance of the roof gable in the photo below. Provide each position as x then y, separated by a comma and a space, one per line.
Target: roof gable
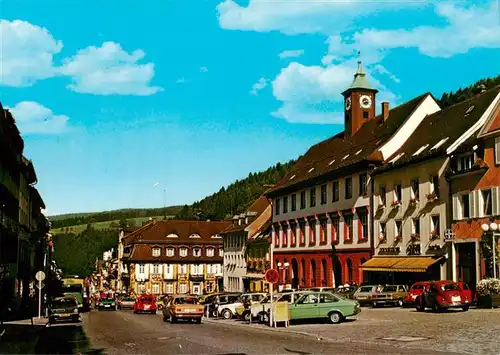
336, 153
439, 131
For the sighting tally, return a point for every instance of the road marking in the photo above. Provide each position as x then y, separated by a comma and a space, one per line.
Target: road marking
405, 338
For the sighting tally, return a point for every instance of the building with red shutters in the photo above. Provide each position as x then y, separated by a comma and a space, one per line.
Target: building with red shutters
322, 227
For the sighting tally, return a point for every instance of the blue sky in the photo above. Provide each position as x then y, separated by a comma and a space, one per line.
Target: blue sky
113, 97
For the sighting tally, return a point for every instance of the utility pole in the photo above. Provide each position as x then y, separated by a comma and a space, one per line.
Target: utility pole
164, 204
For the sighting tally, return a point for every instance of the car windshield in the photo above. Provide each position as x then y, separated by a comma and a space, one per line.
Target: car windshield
366, 289
186, 300
64, 302
390, 289
418, 287
146, 299
128, 299
450, 287
73, 288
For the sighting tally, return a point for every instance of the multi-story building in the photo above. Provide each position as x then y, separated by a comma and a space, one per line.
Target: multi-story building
474, 178
173, 256
258, 258
22, 224
411, 199
321, 218
244, 227
123, 276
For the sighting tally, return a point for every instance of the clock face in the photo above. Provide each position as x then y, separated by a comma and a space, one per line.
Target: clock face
365, 101
348, 104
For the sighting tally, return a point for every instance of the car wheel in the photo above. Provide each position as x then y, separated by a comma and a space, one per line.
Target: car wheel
465, 308
435, 307
400, 303
374, 305
247, 316
335, 317
263, 317
198, 321
173, 319
165, 318
227, 314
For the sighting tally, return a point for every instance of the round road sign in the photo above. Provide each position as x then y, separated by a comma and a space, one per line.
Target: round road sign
272, 276
40, 276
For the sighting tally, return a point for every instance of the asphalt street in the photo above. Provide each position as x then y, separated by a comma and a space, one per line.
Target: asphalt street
122, 332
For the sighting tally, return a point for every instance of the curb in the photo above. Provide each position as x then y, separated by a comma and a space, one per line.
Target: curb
277, 329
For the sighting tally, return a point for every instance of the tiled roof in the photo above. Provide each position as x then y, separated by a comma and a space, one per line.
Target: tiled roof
142, 252
440, 130
336, 153
157, 232
258, 207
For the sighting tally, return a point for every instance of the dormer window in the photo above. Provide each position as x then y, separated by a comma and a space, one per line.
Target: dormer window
359, 151
221, 252
194, 236
156, 252
469, 110
292, 177
210, 252
440, 143
420, 150
344, 158
172, 235
197, 252
170, 251
310, 170
465, 162
183, 252
330, 163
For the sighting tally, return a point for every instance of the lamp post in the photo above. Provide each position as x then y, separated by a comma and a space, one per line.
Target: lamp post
493, 227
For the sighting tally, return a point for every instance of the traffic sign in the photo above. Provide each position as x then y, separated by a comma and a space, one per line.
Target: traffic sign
40, 276
272, 276
40, 285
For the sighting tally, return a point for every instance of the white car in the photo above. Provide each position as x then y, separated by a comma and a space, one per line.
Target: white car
228, 311
261, 310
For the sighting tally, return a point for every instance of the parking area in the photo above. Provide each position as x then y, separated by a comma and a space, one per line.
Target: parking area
473, 332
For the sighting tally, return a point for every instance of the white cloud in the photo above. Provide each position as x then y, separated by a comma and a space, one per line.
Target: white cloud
299, 16
26, 53
204, 69
291, 53
108, 70
259, 85
467, 27
310, 94
34, 118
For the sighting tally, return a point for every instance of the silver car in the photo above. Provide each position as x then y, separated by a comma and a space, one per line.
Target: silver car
364, 294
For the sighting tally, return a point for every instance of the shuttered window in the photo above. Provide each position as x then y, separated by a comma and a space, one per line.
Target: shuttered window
497, 151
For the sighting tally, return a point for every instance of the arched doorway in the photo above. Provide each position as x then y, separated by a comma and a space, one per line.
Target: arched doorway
303, 274
337, 272
295, 274
349, 270
313, 272
324, 274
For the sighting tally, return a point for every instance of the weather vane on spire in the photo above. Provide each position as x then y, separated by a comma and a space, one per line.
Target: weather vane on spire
359, 56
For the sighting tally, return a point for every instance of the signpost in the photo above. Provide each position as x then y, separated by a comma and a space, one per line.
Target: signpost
272, 276
40, 276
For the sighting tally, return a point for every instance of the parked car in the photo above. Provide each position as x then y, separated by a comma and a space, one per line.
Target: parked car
317, 305
224, 298
345, 291
145, 304
390, 295
63, 309
228, 310
415, 290
364, 294
183, 307
107, 303
441, 295
126, 302
261, 310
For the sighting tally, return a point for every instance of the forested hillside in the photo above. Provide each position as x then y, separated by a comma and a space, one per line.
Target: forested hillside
462, 94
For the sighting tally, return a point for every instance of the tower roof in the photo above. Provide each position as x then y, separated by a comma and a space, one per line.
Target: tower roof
360, 81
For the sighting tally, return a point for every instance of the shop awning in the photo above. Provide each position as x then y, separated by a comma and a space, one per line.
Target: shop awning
399, 263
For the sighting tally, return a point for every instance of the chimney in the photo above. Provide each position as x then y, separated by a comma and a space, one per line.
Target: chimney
385, 110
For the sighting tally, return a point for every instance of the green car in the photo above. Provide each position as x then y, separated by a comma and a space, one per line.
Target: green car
107, 303
313, 305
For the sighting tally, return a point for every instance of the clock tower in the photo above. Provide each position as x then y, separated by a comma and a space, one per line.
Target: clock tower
359, 103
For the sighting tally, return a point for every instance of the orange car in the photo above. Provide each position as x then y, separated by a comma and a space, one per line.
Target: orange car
182, 307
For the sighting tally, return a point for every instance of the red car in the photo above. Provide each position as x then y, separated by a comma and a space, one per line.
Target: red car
441, 295
415, 290
145, 304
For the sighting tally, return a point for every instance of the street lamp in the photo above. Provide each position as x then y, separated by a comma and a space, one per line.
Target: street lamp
493, 227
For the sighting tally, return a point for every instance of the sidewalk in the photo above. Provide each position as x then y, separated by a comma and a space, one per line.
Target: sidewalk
21, 337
